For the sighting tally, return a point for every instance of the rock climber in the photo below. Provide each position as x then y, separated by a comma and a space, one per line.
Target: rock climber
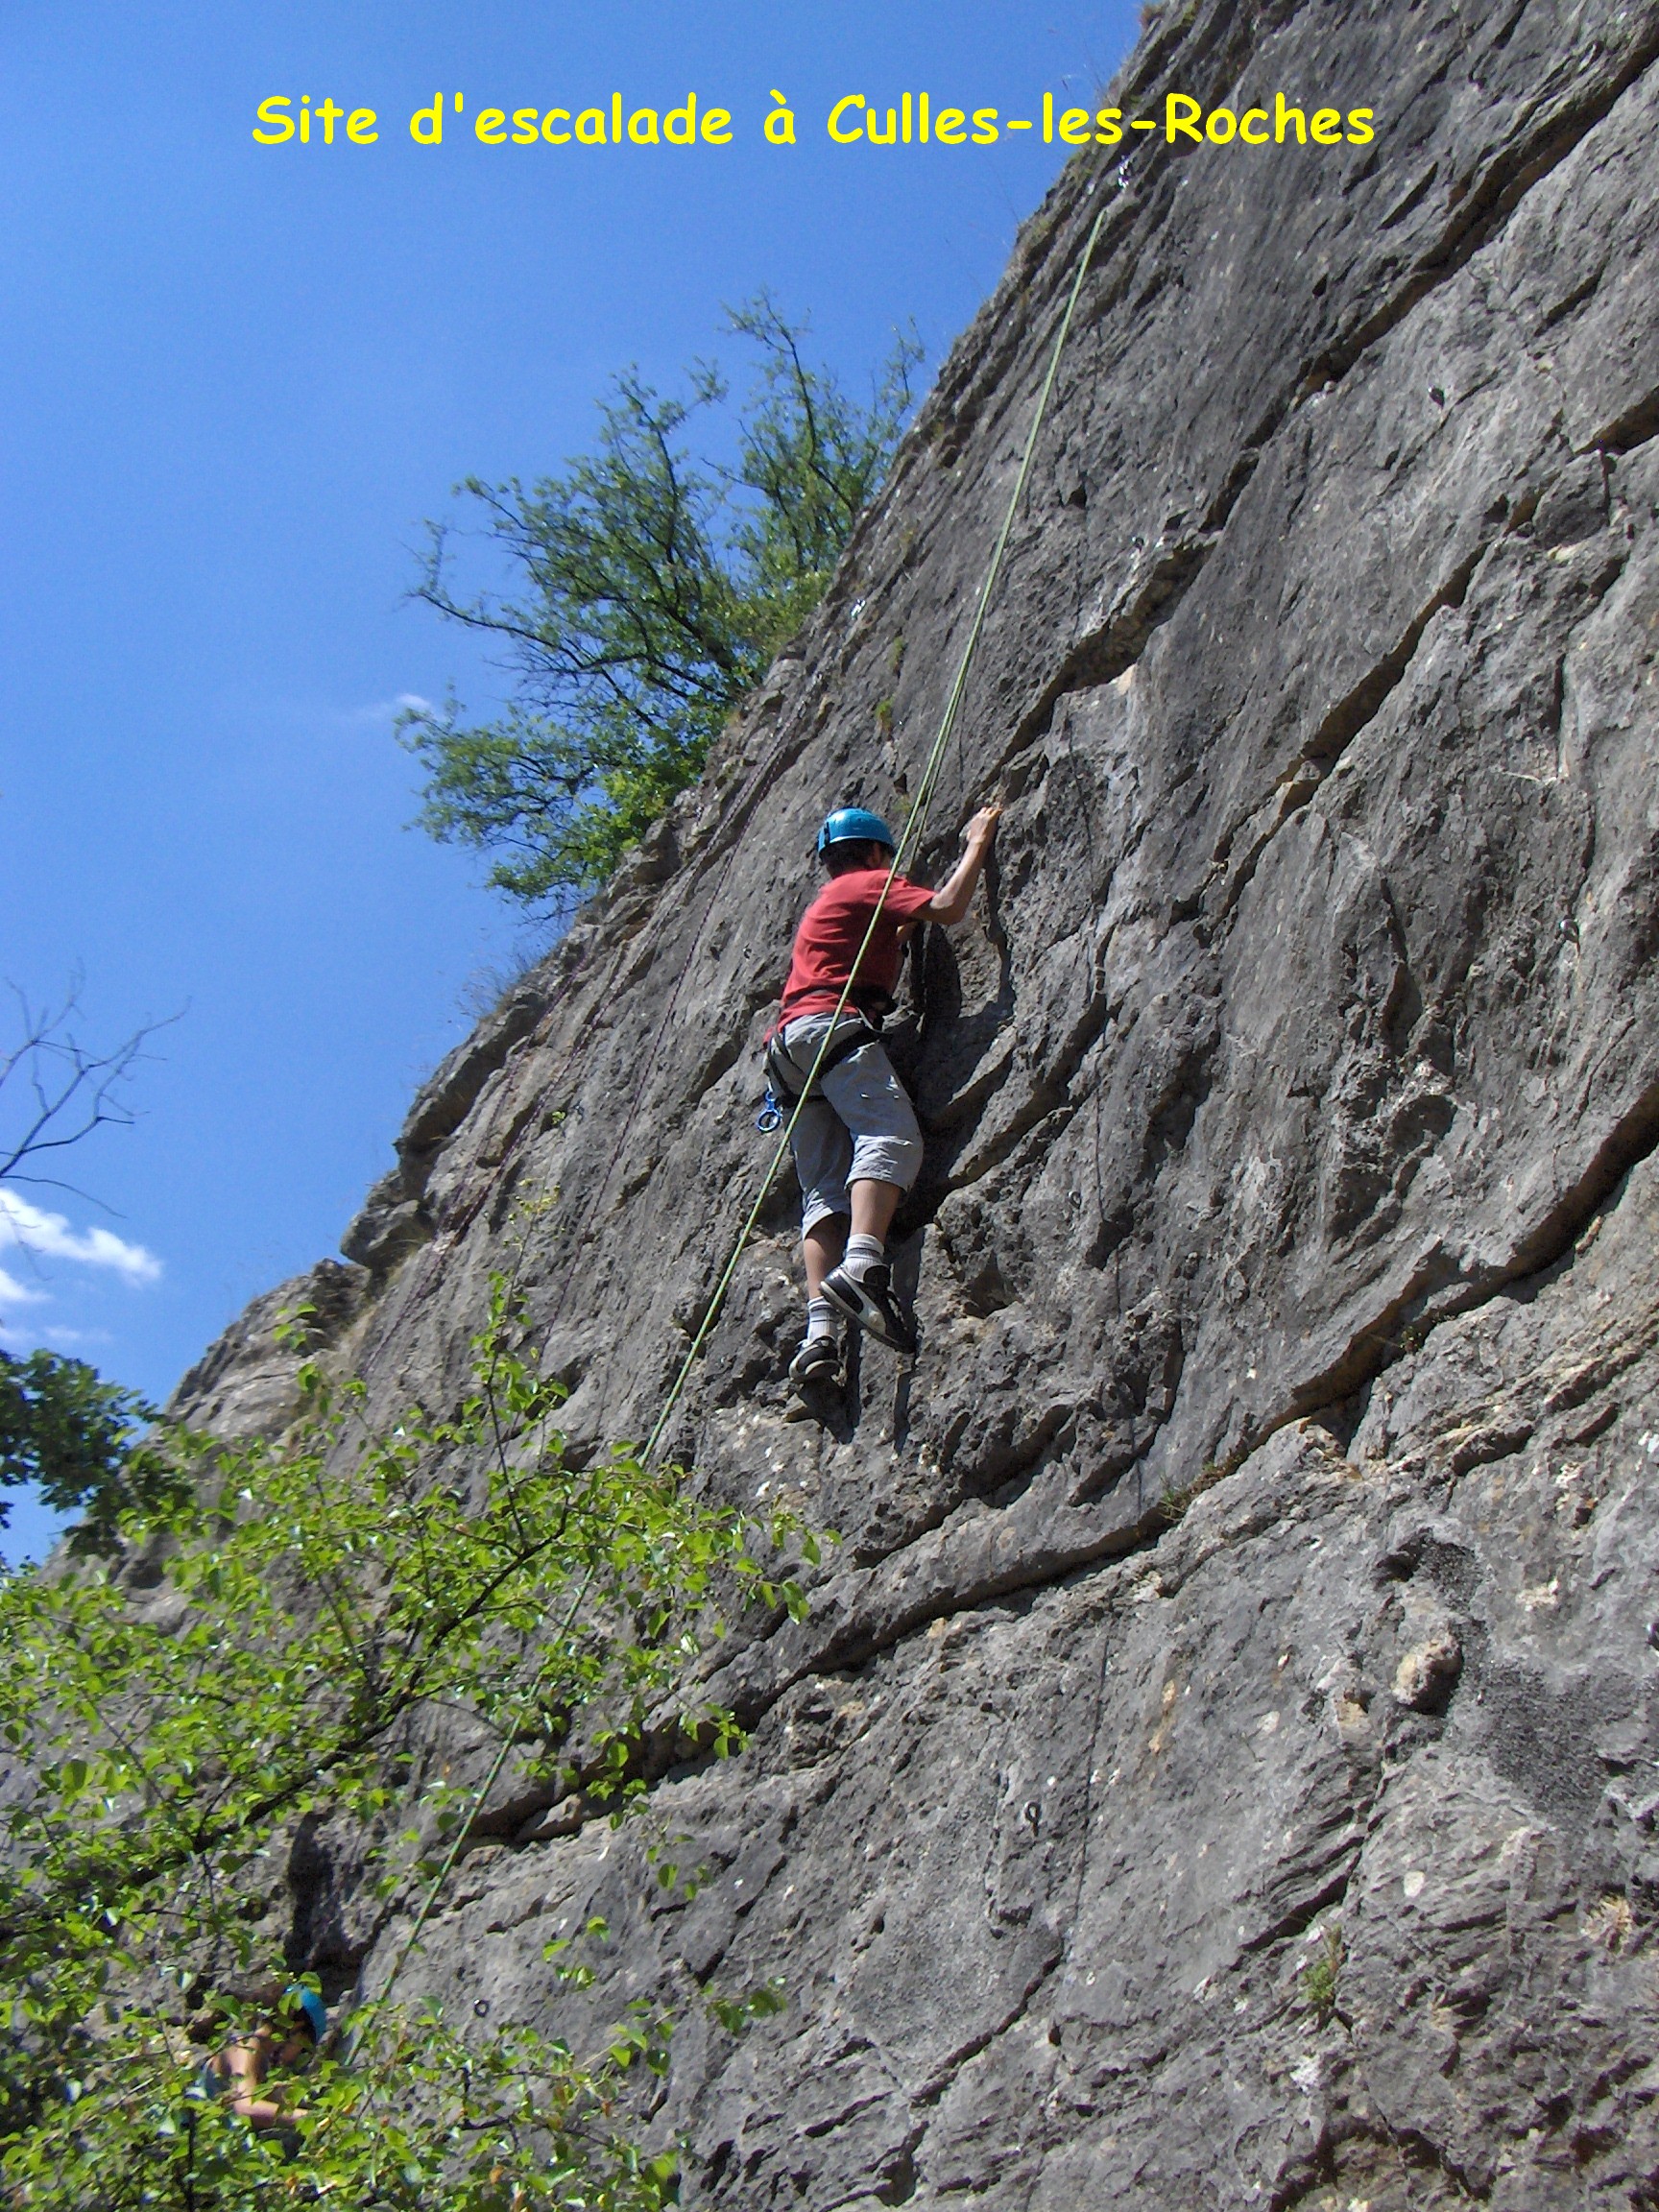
292, 2023
857, 1145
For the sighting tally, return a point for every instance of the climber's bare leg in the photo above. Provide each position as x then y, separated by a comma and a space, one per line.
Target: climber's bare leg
874, 1205
823, 1245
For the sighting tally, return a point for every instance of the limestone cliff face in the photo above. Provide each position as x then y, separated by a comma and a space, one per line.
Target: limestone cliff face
1267, 1540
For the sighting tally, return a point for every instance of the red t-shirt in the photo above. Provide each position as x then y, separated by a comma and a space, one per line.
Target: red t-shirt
832, 930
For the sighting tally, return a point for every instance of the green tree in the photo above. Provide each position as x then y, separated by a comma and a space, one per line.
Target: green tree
74, 1434
316, 1598
62, 1426
653, 590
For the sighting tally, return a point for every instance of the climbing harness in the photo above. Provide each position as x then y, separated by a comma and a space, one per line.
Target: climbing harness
909, 838
785, 1078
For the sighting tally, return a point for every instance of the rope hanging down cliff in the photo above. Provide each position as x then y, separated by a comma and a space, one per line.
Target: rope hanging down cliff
909, 839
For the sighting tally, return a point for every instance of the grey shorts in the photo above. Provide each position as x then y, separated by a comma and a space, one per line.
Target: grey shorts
859, 1128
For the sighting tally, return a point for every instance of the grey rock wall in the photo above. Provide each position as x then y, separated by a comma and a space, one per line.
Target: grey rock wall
1221, 1763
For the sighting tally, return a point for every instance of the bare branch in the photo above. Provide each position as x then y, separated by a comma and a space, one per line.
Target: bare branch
56, 1089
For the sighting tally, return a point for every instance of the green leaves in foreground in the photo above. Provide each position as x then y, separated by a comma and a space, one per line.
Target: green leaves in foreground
417, 2117
265, 1652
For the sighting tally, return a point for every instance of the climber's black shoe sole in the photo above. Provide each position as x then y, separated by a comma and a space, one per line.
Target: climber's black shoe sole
868, 1300
817, 1366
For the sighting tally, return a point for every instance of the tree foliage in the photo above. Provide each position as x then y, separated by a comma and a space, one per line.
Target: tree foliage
274, 1642
76, 1436
62, 1426
652, 589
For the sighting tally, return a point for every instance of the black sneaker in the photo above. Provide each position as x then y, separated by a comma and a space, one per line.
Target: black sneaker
869, 1300
818, 1361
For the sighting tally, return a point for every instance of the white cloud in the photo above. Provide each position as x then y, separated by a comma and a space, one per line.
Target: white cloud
15, 1294
34, 1230
385, 711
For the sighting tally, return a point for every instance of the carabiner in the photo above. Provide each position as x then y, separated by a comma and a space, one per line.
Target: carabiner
770, 1115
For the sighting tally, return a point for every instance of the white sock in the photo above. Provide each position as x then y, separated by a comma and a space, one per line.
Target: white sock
863, 1251
820, 1319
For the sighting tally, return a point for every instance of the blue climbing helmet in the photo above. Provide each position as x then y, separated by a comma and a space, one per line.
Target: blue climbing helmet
297, 1999
854, 826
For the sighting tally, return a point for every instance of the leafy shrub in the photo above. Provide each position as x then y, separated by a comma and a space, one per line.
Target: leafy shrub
255, 1650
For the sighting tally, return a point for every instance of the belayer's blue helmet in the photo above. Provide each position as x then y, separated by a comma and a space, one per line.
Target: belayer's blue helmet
297, 1999
854, 826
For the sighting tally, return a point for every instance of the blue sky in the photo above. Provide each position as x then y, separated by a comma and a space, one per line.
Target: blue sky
233, 381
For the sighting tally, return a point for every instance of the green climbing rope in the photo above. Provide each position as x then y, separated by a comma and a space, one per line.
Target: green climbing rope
909, 838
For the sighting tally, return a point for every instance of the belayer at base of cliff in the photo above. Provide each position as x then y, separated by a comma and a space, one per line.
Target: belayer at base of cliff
856, 1143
